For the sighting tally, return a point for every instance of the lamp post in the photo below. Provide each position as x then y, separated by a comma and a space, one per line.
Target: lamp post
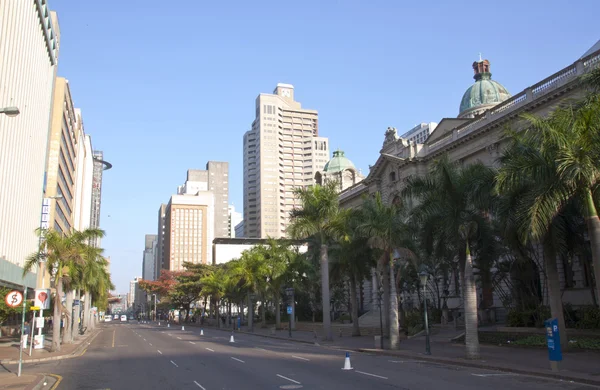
290, 295
423, 275
10, 111
154, 306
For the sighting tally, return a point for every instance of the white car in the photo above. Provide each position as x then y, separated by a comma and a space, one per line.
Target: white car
107, 319
123, 318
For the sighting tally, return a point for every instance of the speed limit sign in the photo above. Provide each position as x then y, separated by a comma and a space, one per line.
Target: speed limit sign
14, 298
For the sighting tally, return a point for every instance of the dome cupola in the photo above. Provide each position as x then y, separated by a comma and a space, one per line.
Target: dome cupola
338, 163
484, 93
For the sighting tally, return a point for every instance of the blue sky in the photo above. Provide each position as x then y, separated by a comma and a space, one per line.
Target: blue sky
165, 86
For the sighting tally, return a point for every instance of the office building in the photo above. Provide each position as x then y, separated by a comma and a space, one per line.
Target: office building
29, 43
239, 229
99, 166
233, 221
160, 262
420, 132
282, 151
137, 296
149, 257
82, 208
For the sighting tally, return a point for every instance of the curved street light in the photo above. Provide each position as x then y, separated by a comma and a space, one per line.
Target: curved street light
10, 111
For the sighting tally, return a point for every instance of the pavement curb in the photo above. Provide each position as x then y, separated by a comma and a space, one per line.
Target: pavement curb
475, 364
77, 352
264, 335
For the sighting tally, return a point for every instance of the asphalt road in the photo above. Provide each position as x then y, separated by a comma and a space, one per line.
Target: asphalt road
139, 356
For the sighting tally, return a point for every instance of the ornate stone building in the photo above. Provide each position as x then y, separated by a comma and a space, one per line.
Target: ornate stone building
341, 169
486, 109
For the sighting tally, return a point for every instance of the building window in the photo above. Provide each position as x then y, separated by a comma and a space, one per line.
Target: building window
392, 176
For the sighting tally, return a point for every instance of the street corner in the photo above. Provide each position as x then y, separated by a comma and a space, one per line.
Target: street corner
47, 382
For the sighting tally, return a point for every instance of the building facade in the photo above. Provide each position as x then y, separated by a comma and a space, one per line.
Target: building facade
99, 167
160, 262
282, 151
29, 47
149, 257
475, 136
420, 132
189, 229
227, 249
235, 219
341, 170
82, 210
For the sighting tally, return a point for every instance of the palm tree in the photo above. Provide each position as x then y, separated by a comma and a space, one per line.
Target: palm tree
60, 251
385, 228
320, 218
453, 208
277, 256
213, 286
251, 269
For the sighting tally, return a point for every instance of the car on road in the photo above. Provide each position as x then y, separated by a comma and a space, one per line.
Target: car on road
116, 317
107, 319
123, 318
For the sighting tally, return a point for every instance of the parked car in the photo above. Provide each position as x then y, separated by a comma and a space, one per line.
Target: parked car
116, 317
123, 318
107, 319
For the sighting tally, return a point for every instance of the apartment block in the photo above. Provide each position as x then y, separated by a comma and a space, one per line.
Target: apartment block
282, 151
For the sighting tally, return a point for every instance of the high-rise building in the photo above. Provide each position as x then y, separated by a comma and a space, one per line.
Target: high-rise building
239, 229
160, 262
29, 43
137, 296
420, 132
149, 257
282, 151
235, 219
99, 166
82, 210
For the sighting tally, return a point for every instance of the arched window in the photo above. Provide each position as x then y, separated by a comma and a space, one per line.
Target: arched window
392, 176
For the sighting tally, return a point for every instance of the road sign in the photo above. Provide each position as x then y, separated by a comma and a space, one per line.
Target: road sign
14, 298
34, 308
289, 310
42, 298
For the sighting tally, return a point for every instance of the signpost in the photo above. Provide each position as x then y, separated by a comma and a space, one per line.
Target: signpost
290, 309
553, 341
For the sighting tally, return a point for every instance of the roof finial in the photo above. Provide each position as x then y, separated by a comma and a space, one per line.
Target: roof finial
480, 57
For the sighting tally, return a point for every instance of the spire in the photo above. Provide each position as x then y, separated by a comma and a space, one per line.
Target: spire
481, 69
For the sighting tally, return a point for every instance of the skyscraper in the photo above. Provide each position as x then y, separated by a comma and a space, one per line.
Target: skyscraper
160, 262
282, 151
99, 166
148, 265
29, 45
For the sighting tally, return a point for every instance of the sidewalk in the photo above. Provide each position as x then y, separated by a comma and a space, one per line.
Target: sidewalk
10, 354
580, 366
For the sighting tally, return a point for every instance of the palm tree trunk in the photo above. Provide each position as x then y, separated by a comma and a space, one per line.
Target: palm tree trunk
250, 314
67, 339
324, 263
263, 305
470, 303
86, 310
354, 299
277, 310
554, 295
393, 313
385, 283
76, 315
593, 225
218, 314
229, 313
56, 319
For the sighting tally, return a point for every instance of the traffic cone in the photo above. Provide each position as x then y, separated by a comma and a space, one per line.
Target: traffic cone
201, 332
168, 325
182, 327
347, 365
231, 339
158, 323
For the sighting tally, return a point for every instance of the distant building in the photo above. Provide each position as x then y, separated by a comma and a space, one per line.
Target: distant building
137, 296
227, 249
239, 230
282, 151
149, 257
99, 166
420, 132
234, 219
160, 262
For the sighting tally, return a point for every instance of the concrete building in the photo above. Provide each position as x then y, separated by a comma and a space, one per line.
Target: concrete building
82, 210
99, 166
282, 151
239, 229
160, 262
189, 229
149, 257
234, 220
341, 170
137, 296
29, 46
420, 132
227, 249
475, 136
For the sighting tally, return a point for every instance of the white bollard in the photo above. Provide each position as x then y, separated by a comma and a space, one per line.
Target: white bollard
182, 327
201, 332
231, 340
168, 325
347, 365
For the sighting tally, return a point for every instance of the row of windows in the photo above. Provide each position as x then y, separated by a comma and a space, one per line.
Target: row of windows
63, 181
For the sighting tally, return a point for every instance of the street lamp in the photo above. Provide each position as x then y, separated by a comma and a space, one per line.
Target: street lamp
379, 295
10, 111
290, 295
154, 306
423, 275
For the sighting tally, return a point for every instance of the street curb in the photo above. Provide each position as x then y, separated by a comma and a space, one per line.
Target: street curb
262, 335
51, 382
77, 352
473, 364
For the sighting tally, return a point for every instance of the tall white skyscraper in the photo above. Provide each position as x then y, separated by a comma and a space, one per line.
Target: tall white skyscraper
282, 151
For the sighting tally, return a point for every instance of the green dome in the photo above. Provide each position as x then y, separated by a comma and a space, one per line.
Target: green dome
484, 94
338, 163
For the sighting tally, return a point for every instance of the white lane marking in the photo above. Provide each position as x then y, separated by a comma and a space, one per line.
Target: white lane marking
485, 375
179, 338
376, 376
144, 339
262, 349
211, 350
291, 380
159, 351
199, 385
172, 362
191, 342
407, 361
150, 344
300, 357
239, 360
